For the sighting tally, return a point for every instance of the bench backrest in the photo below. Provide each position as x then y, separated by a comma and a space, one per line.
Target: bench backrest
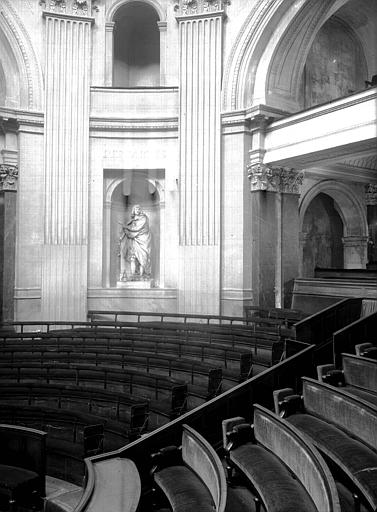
356, 416
360, 371
286, 442
199, 455
25, 448
117, 486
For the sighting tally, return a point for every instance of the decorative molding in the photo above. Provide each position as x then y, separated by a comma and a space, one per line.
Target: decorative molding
70, 7
192, 7
279, 179
371, 194
8, 177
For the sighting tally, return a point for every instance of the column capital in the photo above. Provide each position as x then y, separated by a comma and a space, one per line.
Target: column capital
81, 8
371, 194
8, 177
274, 179
354, 240
193, 7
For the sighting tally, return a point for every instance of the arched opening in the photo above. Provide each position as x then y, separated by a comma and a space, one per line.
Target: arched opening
136, 46
134, 188
323, 231
335, 65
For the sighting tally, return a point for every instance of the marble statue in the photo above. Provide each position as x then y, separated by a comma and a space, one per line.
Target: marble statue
135, 247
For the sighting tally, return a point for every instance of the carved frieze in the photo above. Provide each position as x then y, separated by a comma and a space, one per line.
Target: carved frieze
190, 7
8, 177
371, 194
278, 179
70, 7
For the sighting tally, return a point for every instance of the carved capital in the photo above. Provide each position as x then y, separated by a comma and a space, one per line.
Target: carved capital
70, 7
260, 176
8, 177
289, 180
190, 7
371, 194
280, 179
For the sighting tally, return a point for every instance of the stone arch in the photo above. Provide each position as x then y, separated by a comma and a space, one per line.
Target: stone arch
349, 207
120, 3
268, 57
22, 58
352, 214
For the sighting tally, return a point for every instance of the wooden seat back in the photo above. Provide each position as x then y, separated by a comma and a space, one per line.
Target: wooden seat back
360, 371
356, 416
199, 455
287, 443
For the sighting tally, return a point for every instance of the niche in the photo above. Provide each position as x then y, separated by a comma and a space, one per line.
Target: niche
134, 264
323, 232
136, 46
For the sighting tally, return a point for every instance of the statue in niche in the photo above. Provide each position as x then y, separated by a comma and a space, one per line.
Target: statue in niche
135, 247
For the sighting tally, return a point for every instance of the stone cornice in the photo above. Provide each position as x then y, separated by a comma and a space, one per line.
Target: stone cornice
371, 194
8, 177
277, 179
189, 8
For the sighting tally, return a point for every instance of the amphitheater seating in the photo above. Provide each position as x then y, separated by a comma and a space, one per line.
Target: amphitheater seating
357, 377
22, 466
268, 454
192, 479
342, 427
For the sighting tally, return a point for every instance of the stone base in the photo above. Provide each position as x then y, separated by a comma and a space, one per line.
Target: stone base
144, 285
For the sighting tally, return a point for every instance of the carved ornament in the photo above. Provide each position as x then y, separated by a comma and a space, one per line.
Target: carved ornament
70, 7
8, 177
371, 194
280, 179
190, 7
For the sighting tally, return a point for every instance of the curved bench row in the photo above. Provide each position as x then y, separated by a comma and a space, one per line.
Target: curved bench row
342, 427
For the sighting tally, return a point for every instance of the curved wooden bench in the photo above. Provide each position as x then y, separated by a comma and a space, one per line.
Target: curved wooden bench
229, 355
198, 483
358, 376
130, 381
192, 372
342, 427
263, 454
120, 407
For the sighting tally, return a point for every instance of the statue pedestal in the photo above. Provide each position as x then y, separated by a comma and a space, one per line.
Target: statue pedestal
143, 285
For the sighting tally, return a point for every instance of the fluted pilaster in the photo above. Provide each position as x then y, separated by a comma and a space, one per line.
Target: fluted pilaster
68, 46
200, 38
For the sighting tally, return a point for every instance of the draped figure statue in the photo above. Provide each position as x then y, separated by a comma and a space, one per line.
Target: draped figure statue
135, 247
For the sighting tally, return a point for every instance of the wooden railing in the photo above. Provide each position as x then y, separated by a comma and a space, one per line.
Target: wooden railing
362, 330
319, 328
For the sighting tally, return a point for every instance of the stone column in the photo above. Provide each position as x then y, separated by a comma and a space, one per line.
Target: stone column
162, 27
8, 212
275, 233
65, 250
200, 47
371, 202
109, 49
355, 251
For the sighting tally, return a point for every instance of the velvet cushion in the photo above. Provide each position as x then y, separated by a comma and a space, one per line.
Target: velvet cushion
278, 488
185, 491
